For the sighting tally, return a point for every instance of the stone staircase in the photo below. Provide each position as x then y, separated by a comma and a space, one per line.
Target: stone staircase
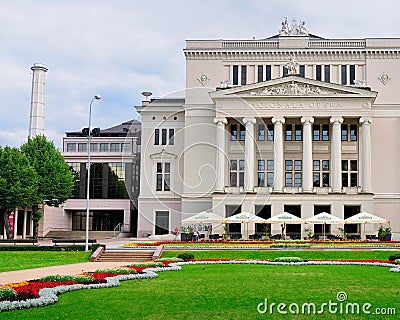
125, 256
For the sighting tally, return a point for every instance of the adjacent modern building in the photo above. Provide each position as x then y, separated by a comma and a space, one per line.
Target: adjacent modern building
294, 122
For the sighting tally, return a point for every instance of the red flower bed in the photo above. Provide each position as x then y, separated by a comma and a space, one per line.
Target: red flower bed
31, 290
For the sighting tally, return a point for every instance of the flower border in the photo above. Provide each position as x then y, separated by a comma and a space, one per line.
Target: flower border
49, 296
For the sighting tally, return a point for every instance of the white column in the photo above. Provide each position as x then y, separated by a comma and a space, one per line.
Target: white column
366, 155
336, 154
278, 153
307, 154
15, 223
220, 160
24, 224
249, 154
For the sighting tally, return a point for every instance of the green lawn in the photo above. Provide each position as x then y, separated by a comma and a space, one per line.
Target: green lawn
18, 260
228, 292
272, 254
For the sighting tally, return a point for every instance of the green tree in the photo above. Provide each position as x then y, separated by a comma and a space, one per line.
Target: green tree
55, 178
18, 184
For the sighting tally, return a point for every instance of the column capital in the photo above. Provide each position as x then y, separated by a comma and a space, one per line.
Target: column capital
365, 120
336, 120
220, 120
249, 120
307, 120
278, 119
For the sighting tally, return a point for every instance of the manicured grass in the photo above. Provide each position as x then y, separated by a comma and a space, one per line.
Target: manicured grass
227, 292
272, 254
18, 260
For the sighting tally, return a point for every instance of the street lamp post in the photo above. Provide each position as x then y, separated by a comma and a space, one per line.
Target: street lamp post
96, 97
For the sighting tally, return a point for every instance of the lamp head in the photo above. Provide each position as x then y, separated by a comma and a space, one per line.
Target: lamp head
97, 97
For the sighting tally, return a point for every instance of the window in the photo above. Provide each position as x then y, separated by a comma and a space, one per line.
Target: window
157, 137
285, 71
242, 132
293, 174
163, 176
260, 73
321, 173
298, 132
344, 132
353, 132
71, 147
103, 147
302, 71
116, 188
243, 76
162, 222
237, 173
261, 132
320, 132
171, 136
234, 132
288, 133
270, 132
94, 147
269, 172
352, 74
126, 147
344, 74
235, 74
268, 73
82, 147
163, 137
318, 72
114, 147
316, 132
349, 173
327, 73
325, 132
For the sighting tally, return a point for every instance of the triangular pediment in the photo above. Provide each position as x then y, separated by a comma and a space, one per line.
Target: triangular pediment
293, 86
162, 156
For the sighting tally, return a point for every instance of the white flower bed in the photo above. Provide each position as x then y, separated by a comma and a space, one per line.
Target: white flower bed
49, 295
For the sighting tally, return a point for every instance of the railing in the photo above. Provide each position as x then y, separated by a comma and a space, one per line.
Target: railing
118, 228
250, 44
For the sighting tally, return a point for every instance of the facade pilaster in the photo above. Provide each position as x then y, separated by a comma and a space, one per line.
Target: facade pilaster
366, 155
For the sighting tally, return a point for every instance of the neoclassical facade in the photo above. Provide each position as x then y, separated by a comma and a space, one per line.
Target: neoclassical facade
294, 123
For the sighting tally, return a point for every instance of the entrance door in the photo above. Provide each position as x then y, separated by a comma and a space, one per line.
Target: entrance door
293, 230
162, 222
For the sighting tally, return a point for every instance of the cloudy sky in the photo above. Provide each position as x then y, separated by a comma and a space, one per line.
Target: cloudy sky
119, 48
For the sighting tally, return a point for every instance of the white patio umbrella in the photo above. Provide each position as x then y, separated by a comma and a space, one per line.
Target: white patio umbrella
245, 217
324, 218
203, 218
364, 218
285, 218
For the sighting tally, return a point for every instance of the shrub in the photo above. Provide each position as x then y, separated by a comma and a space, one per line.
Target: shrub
186, 256
169, 260
42, 248
394, 257
146, 264
94, 246
62, 278
397, 261
288, 259
117, 271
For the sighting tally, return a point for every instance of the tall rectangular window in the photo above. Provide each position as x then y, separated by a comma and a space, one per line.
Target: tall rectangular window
316, 132
164, 137
270, 132
298, 132
71, 147
171, 136
163, 176
103, 147
344, 132
344, 74
349, 173
261, 132
235, 75
288, 133
260, 73
352, 73
234, 132
302, 70
293, 173
318, 72
353, 132
327, 73
265, 173
82, 147
236, 173
261, 173
321, 173
242, 135
325, 132
243, 76
270, 173
268, 72
157, 136
285, 71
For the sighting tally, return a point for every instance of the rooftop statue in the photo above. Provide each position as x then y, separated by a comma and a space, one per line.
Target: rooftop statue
294, 29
